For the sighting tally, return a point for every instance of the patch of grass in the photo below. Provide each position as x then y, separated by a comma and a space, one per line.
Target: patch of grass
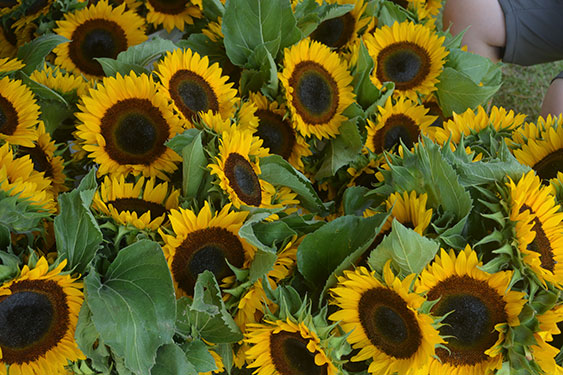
523, 87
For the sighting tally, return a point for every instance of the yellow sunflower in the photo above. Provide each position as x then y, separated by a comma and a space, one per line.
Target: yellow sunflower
172, 14
545, 152
410, 210
479, 305
277, 132
19, 113
408, 54
32, 11
205, 241
9, 65
19, 178
317, 88
125, 123
383, 322
286, 348
404, 121
341, 32
11, 39
238, 169
96, 31
544, 353
538, 227
144, 204
534, 131
64, 83
38, 316
44, 159
194, 85
473, 122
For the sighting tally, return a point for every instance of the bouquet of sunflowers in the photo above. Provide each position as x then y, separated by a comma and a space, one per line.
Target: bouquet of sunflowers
269, 187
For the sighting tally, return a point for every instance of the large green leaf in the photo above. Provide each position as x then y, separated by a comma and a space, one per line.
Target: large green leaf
199, 356
77, 233
322, 251
278, 171
193, 167
456, 92
171, 360
310, 14
477, 67
341, 150
133, 304
248, 24
90, 342
33, 53
409, 251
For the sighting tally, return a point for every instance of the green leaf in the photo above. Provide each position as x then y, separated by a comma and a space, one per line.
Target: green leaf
171, 360
18, 215
77, 233
199, 356
366, 92
410, 252
278, 171
208, 314
456, 92
194, 167
204, 46
179, 141
390, 13
474, 66
90, 342
43, 92
133, 304
137, 57
322, 251
33, 53
341, 150
248, 24
355, 201
213, 9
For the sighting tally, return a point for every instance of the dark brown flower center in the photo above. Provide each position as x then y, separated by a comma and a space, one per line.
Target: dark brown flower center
398, 128
33, 320
548, 167
335, 32
192, 94
8, 117
37, 6
139, 206
291, 356
135, 132
315, 95
206, 250
243, 180
8, 3
96, 38
171, 7
388, 323
474, 309
541, 243
278, 134
403, 3
40, 160
404, 63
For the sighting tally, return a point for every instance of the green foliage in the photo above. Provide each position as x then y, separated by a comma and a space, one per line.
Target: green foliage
33, 53
193, 167
133, 304
172, 360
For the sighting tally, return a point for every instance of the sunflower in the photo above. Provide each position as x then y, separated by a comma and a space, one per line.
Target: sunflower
194, 85
403, 121
142, 204
32, 11
410, 210
39, 311
11, 39
286, 348
97, 31
544, 353
471, 122
19, 113
382, 320
408, 54
63, 83
9, 65
534, 131
19, 178
172, 14
545, 152
125, 123
342, 32
538, 227
277, 132
478, 305
44, 159
317, 88
238, 169
205, 241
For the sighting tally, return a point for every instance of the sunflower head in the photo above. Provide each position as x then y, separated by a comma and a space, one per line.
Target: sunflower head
125, 123
383, 321
317, 88
19, 113
99, 30
172, 13
38, 316
476, 305
408, 54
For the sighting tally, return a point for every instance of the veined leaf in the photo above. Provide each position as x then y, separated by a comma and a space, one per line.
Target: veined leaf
33, 53
341, 150
193, 167
171, 360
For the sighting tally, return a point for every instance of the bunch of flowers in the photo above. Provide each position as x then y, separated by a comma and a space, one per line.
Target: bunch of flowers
269, 187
